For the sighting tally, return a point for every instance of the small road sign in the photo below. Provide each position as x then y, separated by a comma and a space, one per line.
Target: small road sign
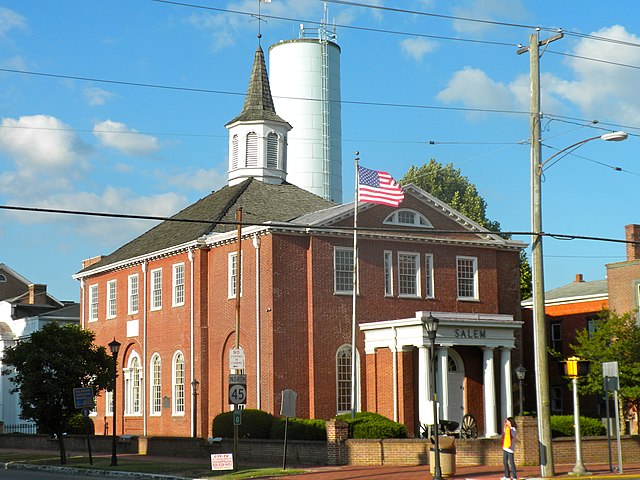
83, 397
237, 417
236, 359
237, 394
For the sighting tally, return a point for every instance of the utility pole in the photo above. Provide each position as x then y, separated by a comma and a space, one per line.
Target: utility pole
539, 322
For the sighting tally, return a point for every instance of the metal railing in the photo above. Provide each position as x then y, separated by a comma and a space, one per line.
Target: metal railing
26, 428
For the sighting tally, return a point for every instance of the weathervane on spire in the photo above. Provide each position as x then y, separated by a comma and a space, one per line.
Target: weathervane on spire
259, 18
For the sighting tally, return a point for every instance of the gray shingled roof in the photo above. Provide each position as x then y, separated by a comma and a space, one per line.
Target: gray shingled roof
260, 202
573, 290
258, 104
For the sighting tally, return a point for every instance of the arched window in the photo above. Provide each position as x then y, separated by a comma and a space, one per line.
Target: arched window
408, 218
234, 152
343, 379
178, 384
272, 150
252, 149
3, 278
132, 381
156, 385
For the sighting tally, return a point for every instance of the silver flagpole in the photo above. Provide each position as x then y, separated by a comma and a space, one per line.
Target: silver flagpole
354, 404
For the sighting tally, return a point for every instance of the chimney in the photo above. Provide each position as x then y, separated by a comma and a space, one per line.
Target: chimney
579, 278
90, 261
37, 294
632, 234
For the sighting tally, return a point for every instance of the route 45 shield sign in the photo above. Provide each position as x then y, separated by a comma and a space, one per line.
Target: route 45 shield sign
238, 389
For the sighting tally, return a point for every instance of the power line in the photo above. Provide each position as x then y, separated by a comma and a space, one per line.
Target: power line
557, 236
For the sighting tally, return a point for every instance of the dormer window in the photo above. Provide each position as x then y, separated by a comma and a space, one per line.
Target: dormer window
408, 218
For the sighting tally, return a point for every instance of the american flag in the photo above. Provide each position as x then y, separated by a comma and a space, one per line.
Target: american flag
378, 187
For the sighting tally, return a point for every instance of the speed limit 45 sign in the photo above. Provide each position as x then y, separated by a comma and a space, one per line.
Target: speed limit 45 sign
238, 389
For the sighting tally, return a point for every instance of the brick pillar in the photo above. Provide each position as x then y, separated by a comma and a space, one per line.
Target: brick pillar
527, 443
337, 433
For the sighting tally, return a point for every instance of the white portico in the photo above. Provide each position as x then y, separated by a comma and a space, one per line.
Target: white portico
464, 342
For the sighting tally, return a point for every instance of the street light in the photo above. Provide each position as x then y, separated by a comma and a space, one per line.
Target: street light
194, 406
520, 373
114, 346
574, 368
431, 326
539, 324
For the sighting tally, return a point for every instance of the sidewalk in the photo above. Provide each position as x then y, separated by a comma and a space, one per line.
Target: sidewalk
631, 471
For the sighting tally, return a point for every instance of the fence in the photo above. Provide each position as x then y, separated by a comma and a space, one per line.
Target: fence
26, 428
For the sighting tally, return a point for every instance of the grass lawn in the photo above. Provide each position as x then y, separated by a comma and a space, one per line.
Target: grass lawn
140, 464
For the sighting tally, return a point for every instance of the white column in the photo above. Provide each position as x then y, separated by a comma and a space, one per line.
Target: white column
506, 392
394, 370
489, 393
443, 381
423, 386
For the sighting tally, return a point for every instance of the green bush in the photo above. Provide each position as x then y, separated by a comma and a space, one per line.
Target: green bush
562, 426
299, 429
77, 425
373, 425
255, 424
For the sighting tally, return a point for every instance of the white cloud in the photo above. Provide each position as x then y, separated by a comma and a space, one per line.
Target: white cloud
9, 20
126, 140
474, 89
101, 230
492, 10
201, 180
417, 48
41, 142
97, 96
602, 90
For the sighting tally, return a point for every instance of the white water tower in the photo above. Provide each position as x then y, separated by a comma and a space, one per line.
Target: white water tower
304, 74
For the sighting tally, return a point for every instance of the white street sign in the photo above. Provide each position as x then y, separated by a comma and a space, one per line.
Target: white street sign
236, 359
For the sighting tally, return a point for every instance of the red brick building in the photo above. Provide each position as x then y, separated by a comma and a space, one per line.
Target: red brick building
568, 309
623, 278
169, 296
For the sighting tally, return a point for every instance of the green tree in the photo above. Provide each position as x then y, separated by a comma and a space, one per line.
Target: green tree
449, 185
617, 339
45, 369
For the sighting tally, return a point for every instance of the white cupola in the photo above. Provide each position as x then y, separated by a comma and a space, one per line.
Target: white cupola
258, 136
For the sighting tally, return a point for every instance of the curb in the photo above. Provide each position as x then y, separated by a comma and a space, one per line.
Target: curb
90, 472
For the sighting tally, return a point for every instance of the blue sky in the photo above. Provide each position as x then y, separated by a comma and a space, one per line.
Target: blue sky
76, 133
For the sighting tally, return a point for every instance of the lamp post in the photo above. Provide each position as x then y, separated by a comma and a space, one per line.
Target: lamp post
574, 368
194, 406
114, 346
539, 323
520, 373
431, 326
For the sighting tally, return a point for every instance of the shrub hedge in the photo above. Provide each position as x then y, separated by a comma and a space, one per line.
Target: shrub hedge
562, 426
260, 424
373, 425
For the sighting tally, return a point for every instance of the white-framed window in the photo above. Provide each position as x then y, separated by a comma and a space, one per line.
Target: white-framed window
132, 384
388, 273
467, 276
556, 336
252, 149
111, 299
93, 303
108, 402
343, 270
156, 289
232, 266
408, 274
343, 379
133, 294
272, 150
156, 385
178, 284
178, 384
428, 270
408, 218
